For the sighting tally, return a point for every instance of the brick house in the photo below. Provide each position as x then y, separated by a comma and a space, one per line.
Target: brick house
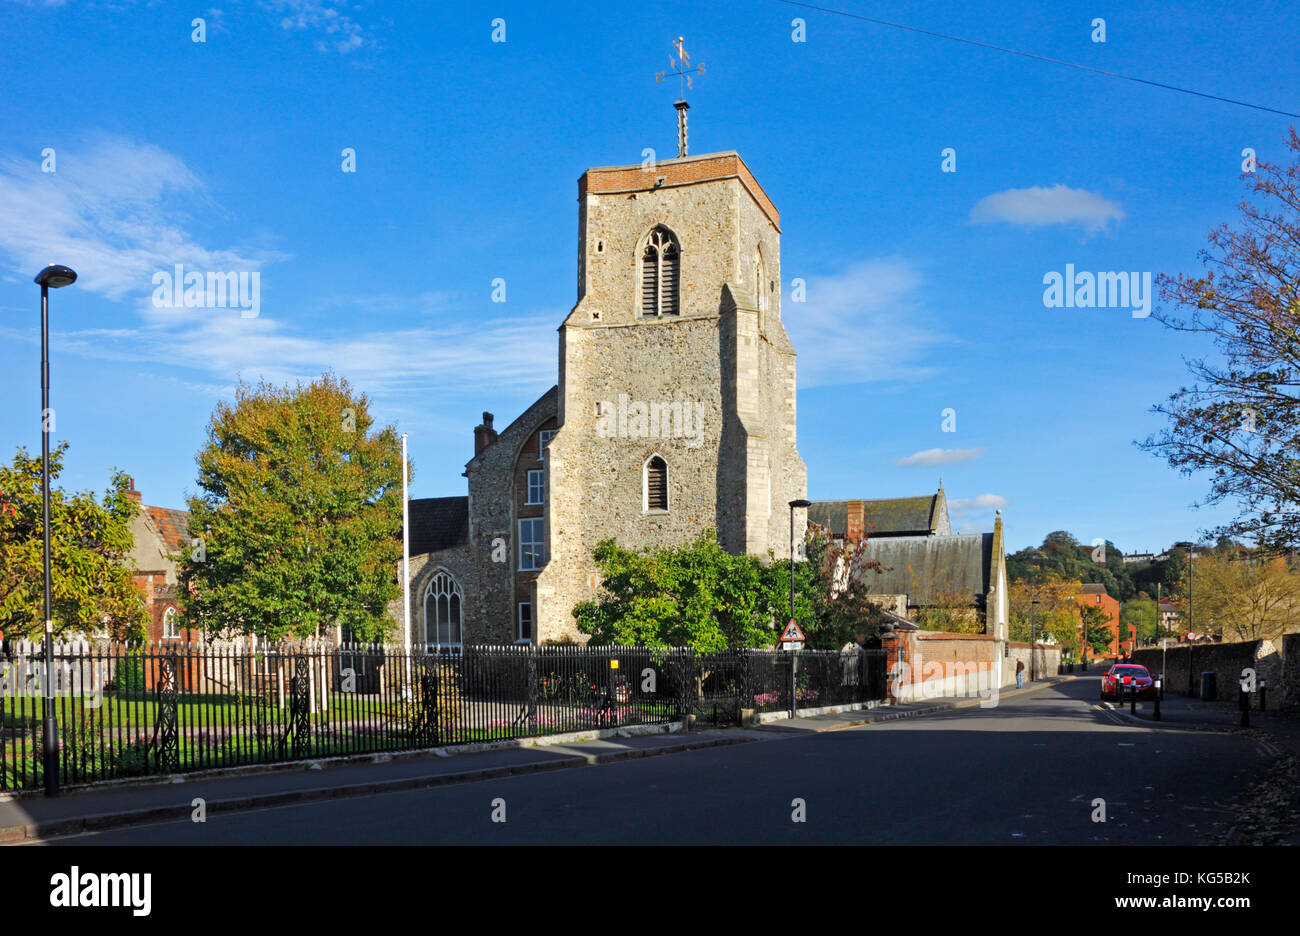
160, 533
1097, 596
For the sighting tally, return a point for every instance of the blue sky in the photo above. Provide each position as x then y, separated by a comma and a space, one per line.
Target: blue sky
924, 288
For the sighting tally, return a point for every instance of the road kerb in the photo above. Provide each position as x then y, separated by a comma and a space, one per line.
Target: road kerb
31, 833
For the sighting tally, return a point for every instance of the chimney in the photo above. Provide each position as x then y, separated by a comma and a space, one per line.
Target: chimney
484, 435
854, 521
133, 493
682, 108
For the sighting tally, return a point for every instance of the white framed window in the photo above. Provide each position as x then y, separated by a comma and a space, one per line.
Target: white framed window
532, 543
524, 623
543, 439
442, 611
171, 627
536, 487
655, 481
660, 268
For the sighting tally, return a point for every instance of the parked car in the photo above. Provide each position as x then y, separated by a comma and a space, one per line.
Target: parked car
1124, 679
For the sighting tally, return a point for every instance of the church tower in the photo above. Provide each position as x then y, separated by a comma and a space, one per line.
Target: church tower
676, 403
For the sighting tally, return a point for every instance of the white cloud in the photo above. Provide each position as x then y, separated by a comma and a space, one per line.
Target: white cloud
1039, 206
984, 501
860, 325
939, 456
113, 212
323, 16
961, 508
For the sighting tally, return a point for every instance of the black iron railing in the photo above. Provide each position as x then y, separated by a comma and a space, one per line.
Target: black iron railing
142, 710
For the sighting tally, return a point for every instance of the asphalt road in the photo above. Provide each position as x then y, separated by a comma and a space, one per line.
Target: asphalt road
1027, 771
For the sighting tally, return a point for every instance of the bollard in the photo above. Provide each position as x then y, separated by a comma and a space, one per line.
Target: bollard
1133, 700
1160, 684
1245, 708
1262, 687
1155, 712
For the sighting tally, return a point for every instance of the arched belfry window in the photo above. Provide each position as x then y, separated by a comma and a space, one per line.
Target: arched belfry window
656, 483
661, 263
442, 611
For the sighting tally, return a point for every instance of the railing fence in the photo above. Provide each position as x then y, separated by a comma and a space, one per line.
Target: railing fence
128, 710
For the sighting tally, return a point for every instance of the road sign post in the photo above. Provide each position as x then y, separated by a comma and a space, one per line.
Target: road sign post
792, 640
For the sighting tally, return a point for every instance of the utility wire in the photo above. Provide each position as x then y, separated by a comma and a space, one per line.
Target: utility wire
1031, 55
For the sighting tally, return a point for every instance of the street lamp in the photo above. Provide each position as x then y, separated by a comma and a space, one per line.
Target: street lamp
1083, 636
794, 504
52, 277
1033, 639
1191, 580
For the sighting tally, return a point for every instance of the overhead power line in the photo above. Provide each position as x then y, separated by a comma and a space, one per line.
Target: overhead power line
1041, 58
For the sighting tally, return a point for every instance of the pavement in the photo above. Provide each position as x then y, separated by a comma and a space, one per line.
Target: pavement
1277, 732
1180, 711
33, 817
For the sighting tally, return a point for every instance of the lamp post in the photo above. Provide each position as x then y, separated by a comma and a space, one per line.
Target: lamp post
794, 655
1191, 580
1033, 638
52, 277
794, 504
1083, 636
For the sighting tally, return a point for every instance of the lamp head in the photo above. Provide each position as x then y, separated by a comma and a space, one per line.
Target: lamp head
56, 275
795, 504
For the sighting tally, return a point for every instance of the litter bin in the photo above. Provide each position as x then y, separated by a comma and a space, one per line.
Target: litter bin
1208, 688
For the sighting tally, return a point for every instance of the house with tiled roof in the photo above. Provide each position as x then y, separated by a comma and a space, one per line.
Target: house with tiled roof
1095, 594
886, 516
160, 534
922, 564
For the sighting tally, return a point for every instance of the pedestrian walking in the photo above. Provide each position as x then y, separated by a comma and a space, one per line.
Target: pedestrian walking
1020, 674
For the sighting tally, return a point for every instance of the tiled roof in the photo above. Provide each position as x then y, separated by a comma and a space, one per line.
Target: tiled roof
1094, 588
926, 568
887, 516
438, 523
173, 526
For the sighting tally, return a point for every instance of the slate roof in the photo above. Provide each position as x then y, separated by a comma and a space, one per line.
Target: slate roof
1095, 588
173, 526
886, 516
438, 523
925, 567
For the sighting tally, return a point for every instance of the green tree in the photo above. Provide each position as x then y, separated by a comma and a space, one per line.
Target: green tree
90, 541
1140, 613
833, 602
697, 596
701, 596
1097, 632
300, 516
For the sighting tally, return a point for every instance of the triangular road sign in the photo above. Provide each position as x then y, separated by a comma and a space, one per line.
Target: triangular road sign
791, 633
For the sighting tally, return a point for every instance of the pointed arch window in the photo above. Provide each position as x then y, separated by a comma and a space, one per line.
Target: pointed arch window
656, 484
442, 612
661, 261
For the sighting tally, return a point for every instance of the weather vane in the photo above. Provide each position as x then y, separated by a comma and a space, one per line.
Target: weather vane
681, 67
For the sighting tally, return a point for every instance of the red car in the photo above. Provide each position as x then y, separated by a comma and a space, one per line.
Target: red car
1125, 679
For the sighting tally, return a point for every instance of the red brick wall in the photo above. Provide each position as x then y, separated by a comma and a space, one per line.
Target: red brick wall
634, 178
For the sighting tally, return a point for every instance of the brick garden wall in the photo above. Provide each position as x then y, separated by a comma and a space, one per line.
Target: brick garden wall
1184, 665
1046, 662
